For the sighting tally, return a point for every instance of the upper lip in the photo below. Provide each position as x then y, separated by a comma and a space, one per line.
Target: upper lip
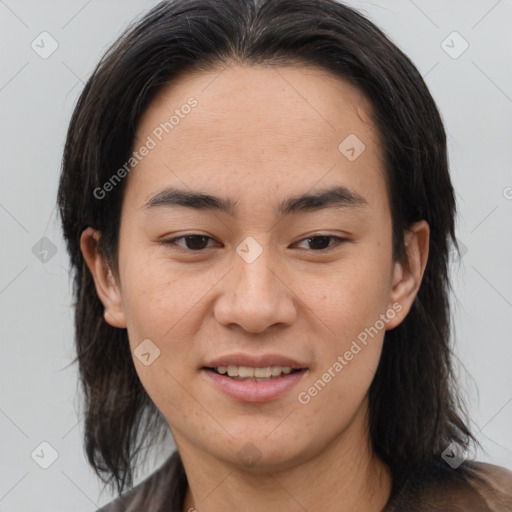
254, 361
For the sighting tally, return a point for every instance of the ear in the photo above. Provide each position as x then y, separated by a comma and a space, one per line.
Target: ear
106, 287
407, 274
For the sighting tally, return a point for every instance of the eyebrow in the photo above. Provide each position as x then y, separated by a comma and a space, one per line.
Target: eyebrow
334, 197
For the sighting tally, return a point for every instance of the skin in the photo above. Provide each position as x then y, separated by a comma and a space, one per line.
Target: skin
259, 135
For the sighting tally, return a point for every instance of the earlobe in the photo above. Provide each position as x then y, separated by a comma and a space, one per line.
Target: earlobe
106, 286
408, 273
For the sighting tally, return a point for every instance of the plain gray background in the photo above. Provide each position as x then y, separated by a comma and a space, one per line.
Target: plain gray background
39, 400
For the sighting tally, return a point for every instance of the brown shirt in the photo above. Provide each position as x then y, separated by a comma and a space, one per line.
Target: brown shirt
435, 487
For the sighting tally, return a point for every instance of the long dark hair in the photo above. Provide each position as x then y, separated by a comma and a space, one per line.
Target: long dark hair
414, 408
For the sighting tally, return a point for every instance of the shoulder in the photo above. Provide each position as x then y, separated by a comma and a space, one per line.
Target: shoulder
472, 487
493, 483
162, 491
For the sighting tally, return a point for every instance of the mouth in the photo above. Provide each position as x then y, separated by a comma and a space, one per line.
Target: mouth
253, 384
251, 374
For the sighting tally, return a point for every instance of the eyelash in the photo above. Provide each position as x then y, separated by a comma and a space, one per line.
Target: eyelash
172, 242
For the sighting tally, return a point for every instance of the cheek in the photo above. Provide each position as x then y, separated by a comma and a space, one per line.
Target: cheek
160, 306
162, 300
167, 305
357, 292
348, 355
353, 309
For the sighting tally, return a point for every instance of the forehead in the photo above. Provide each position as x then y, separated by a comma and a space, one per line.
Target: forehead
258, 130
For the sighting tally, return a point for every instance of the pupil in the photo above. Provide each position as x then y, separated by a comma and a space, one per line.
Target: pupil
314, 245
194, 239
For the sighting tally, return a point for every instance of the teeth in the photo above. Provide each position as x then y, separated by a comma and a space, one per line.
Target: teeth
233, 371
263, 372
246, 372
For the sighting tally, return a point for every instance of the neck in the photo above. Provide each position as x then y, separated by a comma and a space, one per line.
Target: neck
345, 476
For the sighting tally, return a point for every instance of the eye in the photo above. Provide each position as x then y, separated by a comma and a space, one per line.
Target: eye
321, 242
194, 242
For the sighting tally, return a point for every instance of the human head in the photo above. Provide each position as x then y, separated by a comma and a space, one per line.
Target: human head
414, 373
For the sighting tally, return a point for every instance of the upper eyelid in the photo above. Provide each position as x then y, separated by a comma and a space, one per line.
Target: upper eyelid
315, 235
339, 239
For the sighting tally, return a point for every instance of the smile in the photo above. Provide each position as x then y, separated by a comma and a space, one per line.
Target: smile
250, 374
253, 385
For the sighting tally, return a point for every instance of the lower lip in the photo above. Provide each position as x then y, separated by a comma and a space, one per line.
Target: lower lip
254, 391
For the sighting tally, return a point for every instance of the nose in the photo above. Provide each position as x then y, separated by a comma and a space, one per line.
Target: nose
256, 295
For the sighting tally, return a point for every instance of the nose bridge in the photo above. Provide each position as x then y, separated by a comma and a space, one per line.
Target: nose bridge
257, 278
254, 296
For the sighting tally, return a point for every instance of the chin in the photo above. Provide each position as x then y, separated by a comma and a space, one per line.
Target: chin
260, 453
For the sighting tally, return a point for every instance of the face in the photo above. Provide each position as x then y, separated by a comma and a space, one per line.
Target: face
283, 278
